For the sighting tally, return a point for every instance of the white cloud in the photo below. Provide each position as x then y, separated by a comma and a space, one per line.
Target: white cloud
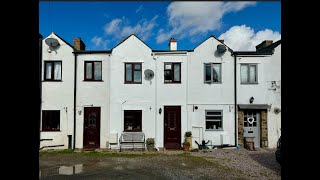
139, 8
243, 38
120, 28
113, 26
98, 42
190, 18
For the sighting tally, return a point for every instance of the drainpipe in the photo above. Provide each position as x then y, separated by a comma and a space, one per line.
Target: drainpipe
235, 101
74, 100
40, 83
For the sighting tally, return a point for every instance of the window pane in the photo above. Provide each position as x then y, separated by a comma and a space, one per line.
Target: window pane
213, 125
132, 120
51, 120
207, 72
213, 113
137, 121
97, 71
244, 73
137, 66
167, 76
88, 70
57, 70
253, 74
176, 68
216, 72
48, 70
137, 76
167, 66
213, 117
128, 72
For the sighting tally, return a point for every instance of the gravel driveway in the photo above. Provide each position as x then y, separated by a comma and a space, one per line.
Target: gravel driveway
217, 164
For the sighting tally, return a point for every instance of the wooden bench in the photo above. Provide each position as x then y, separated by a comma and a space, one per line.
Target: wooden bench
132, 140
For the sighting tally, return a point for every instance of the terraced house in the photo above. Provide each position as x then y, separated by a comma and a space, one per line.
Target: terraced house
90, 98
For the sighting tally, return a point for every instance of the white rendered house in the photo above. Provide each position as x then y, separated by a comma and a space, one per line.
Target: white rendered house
90, 97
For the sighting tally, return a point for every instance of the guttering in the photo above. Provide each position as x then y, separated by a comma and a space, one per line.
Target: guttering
93, 52
74, 100
170, 52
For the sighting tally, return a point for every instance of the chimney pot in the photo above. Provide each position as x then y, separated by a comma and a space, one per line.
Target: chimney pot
221, 40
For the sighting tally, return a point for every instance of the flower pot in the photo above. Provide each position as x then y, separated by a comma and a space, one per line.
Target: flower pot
150, 147
189, 139
186, 148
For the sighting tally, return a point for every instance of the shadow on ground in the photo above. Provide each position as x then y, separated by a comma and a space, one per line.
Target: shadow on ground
271, 164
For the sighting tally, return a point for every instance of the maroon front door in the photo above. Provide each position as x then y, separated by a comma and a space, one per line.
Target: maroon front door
91, 132
172, 127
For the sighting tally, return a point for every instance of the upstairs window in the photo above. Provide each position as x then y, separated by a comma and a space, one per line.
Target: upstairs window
249, 73
212, 73
52, 70
93, 71
172, 72
133, 73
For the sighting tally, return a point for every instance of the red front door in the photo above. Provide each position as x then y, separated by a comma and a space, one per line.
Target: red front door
172, 127
91, 133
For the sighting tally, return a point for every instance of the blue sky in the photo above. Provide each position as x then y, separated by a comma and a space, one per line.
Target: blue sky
102, 25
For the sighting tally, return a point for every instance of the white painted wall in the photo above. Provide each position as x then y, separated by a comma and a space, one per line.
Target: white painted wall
131, 96
171, 94
269, 69
95, 93
58, 95
215, 96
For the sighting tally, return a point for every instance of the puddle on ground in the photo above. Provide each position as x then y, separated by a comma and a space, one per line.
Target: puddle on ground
62, 170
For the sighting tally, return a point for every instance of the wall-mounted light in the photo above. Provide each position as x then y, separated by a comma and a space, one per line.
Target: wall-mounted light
160, 110
251, 100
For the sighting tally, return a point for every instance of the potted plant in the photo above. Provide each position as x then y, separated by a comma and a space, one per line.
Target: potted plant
188, 138
150, 144
186, 146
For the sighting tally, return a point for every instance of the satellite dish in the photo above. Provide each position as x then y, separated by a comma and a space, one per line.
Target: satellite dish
149, 74
221, 48
52, 42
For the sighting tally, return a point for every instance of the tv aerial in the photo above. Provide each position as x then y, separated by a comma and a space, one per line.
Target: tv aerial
52, 43
148, 74
221, 48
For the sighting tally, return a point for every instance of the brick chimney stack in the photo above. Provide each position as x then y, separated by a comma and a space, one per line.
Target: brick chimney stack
78, 44
264, 44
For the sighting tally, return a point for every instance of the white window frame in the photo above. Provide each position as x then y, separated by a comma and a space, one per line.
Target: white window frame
248, 75
221, 115
211, 81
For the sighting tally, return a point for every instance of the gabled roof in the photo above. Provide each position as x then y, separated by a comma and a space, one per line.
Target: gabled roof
128, 38
217, 40
63, 40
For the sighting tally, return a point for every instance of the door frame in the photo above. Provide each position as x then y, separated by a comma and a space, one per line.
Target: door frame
164, 128
99, 128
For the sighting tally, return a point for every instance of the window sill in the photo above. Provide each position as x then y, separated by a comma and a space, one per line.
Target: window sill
133, 131
249, 83
92, 80
133, 83
172, 83
212, 82
214, 130
52, 81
